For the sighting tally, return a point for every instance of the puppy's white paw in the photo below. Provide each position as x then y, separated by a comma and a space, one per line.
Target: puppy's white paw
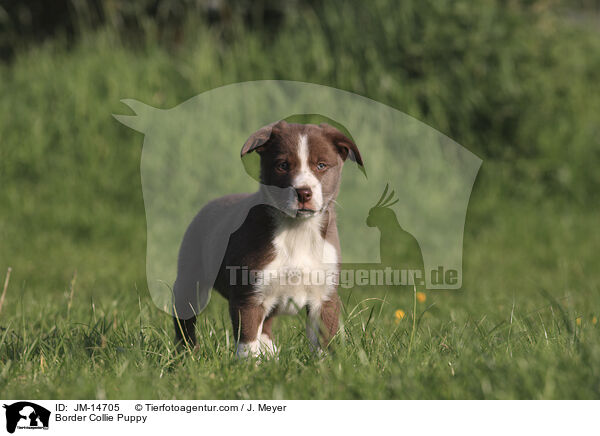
249, 349
261, 348
267, 347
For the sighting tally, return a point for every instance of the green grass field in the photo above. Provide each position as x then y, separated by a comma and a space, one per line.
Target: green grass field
524, 326
77, 320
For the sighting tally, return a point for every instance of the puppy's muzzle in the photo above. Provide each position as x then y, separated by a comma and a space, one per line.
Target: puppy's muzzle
304, 196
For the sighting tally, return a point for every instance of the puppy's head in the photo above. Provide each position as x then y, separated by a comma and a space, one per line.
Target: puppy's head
301, 165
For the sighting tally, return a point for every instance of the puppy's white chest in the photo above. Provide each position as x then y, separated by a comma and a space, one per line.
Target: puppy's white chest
302, 272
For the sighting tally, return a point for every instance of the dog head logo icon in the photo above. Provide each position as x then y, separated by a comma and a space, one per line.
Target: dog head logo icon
26, 415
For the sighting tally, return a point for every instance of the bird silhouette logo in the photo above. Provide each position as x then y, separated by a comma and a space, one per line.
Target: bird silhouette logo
398, 248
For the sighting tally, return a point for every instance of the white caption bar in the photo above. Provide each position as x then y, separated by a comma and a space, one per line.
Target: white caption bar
299, 417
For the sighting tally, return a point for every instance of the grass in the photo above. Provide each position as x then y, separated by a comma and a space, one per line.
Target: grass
77, 320
519, 339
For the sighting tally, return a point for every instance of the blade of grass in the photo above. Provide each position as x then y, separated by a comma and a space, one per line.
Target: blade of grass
414, 323
6, 280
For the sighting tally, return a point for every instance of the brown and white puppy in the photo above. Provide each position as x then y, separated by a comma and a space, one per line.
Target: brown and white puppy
275, 251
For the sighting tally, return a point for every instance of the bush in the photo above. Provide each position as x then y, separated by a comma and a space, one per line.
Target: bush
515, 82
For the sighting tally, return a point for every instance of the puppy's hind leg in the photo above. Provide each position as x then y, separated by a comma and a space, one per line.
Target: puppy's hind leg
185, 308
185, 331
323, 323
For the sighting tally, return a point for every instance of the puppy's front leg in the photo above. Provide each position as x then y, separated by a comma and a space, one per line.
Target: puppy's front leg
247, 323
323, 322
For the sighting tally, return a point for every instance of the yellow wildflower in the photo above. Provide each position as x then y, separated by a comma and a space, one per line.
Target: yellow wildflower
421, 297
578, 320
399, 314
594, 320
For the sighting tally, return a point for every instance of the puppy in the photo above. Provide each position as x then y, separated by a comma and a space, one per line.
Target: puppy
275, 251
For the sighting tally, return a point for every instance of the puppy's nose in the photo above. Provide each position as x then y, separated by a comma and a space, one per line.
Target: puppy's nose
304, 194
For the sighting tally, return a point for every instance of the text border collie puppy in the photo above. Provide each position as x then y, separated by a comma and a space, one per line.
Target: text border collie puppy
275, 251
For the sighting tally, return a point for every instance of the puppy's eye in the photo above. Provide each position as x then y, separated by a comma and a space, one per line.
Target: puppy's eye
283, 166
321, 166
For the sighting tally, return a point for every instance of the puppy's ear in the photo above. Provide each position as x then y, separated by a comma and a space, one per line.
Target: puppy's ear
345, 146
260, 138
